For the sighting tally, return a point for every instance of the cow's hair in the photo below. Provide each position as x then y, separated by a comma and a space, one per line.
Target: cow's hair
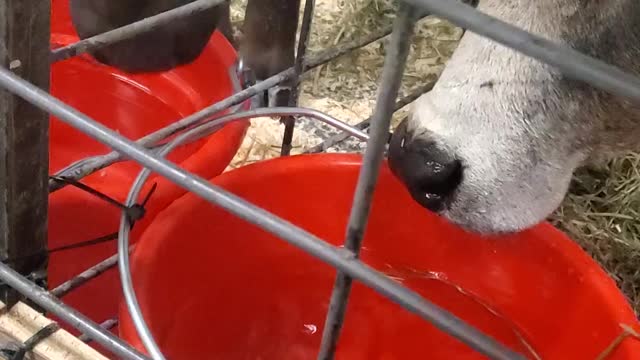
520, 127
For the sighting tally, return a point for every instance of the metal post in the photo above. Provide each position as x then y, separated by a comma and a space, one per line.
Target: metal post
24, 132
303, 42
87, 166
393, 70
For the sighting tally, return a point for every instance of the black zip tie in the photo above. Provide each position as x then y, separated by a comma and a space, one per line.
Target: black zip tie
31, 343
134, 213
95, 241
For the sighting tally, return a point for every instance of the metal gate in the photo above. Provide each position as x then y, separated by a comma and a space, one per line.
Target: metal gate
571, 63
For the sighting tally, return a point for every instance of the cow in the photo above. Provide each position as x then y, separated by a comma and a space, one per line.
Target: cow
267, 46
492, 148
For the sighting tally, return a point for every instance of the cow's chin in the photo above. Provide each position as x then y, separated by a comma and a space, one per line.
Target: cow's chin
494, 207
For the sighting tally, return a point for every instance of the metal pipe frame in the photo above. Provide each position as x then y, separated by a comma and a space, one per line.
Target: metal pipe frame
341, 259
298, 67
71, 316
571, 63
88, 166
395, 61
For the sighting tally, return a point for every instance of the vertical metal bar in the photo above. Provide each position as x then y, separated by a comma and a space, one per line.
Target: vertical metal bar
395, 61
24, 148
303, 42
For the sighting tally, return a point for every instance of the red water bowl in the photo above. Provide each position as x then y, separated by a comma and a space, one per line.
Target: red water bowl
134, 106
213, 286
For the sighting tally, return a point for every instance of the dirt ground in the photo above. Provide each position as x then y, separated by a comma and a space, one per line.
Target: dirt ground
601, 211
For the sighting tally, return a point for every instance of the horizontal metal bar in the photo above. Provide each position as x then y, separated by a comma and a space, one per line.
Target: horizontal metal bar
132, 30
95, 162
570, 62
107, 325
339, 258
85, 276
68, 314
345, 47
78, 170
89, 165
364, 124
92, 164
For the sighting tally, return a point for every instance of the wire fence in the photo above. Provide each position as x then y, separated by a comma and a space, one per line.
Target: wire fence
204, 122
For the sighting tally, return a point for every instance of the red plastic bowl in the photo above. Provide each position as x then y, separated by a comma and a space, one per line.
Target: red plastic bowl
213, 286
134, 105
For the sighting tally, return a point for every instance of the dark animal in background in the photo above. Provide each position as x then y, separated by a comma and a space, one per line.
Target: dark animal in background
267, 45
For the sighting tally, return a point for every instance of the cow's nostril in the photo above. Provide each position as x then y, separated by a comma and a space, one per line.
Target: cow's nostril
430, 173
440, 179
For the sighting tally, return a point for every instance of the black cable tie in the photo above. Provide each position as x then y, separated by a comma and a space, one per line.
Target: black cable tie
31, 343
134, 213
89, 190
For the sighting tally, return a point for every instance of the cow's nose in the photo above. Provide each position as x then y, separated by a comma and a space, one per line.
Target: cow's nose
430, 173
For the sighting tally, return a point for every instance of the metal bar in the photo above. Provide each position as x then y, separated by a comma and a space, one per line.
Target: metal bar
395, 61
123, 236
298, 67
85, 276
107, 325
132, 30
570, 62
24, 142
77, 171
346, 47
68, 314
364, 124
92, 164
339, 258
207, 128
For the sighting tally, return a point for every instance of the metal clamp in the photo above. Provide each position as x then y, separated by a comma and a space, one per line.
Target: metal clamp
22, 349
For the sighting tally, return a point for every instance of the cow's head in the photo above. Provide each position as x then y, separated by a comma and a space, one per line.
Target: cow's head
493, 146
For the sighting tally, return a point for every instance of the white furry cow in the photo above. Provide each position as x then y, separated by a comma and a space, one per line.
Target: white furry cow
493, 146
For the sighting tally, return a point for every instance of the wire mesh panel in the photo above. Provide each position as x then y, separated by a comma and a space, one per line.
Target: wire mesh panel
150, 151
